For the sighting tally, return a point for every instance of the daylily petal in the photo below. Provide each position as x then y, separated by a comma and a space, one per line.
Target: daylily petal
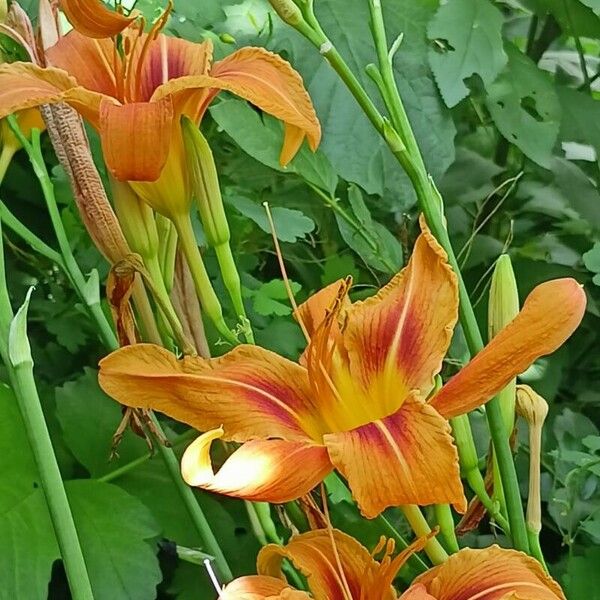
136, 138
406, 458
397, 339
417, 592
25, 85
94, 19
260, 587
312, 312
260, 470
313, 555
170, 58
549, 316
91, 62
262, 78
491, 574
254, 393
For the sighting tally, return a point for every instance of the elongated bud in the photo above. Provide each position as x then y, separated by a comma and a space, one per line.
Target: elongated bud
503, 308
3, 10
136, 219
288, 11
205, 184
534, 409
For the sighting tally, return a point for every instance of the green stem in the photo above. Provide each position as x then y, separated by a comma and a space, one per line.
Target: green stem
189, 499
208, 299
6, 156
419, 525
536, 549
232, 282
29, 237
16, 354
404, 147
443, 516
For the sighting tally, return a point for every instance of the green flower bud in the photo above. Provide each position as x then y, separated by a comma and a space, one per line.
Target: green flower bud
503, 308
287, 11
205, 184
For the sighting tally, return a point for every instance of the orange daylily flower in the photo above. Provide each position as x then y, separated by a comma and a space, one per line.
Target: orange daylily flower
135, 87
358, 400
355, 574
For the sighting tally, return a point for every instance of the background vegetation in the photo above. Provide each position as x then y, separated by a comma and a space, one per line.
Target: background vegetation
503, 98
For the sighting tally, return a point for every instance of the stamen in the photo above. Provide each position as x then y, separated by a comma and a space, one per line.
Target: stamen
213, 577
345, 587
286, 281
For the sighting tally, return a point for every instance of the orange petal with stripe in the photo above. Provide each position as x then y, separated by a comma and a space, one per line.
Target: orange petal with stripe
313, 555
491, 574
25, 85
94, 19
265, 80
91, 62
252, 392
136, 138
417, 592
549, 316
397, 339
406, 458
312, 312
260, 587
260, 470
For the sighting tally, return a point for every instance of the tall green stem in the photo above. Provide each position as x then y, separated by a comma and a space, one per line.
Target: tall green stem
419, 525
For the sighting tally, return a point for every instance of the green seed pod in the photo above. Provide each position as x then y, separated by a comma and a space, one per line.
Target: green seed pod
503, 308
205, 184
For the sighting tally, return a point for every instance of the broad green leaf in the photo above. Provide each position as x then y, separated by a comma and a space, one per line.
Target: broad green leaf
349, 140
470, 36
89, 418
582, 578
271, 298
261, 137
381, 251
574, 17
113, 526
524, 106
591, 260
337, 267
580, 117
290, 224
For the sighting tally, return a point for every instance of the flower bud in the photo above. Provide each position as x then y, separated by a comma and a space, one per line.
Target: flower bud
503, 308
288, 11
205, 184
534, 409
3, 10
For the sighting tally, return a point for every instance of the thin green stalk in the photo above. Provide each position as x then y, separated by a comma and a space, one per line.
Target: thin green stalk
6, 156
187, 496
16, 354
445, 521
419, 525
208, 299
404, 147
29, 237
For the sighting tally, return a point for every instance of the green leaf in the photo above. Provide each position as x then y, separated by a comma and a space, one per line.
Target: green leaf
89, 418
261, 136
338, 266
471, 33
112, 526
290, 224
574, 17
349, 140
591, 260
525, 108
580, 117
582, 578
386, 253
271, 298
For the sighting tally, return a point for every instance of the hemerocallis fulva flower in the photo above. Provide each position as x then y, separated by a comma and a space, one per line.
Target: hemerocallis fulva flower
354, 574
134, 87
358, 402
